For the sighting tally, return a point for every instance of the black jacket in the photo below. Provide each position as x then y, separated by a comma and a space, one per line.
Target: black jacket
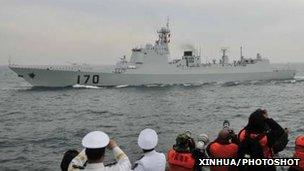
277, 137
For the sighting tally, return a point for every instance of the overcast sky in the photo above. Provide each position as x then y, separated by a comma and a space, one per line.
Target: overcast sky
101, 31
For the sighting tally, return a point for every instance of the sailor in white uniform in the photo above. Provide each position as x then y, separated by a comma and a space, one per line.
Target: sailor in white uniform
91, 159
152, 160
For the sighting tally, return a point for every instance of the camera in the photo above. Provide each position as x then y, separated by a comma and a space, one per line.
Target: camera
226, 126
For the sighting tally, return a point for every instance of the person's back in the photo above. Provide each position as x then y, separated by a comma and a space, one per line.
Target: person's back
299, 153
95, 144
180, 161
259, 146
261, 138
180, 157
152, 161
219, 150
225, 146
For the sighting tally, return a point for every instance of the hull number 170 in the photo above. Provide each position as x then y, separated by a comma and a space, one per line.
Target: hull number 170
87, 79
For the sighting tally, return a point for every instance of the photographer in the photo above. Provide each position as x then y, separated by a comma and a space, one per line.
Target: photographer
261, 138
224, 146
180, 157
298, 153
200, 151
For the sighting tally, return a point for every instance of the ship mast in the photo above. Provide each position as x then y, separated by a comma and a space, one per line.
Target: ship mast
225, 59
9, 60
167, 24
163, 39
224, 50
241, 53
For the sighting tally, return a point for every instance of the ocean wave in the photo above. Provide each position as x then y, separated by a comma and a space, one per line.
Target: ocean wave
203, 84
153, 85
85, 86
219, 83
229, 84
299, 77
122, 86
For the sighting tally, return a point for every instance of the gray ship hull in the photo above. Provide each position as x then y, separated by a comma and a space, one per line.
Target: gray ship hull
43, 77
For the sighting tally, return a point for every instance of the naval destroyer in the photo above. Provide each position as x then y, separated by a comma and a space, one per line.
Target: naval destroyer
150, 65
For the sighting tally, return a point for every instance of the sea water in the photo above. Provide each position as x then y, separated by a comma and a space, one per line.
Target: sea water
38, 124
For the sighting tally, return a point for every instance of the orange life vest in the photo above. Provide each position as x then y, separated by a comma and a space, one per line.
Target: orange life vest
180, 161
218, 150
300, 155
299, 152
267, 152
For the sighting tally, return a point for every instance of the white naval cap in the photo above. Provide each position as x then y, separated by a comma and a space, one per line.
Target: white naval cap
95, 139
147, 139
